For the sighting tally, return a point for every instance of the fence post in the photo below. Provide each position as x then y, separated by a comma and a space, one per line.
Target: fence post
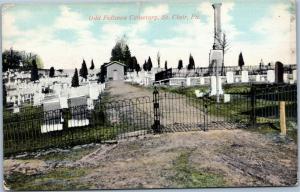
205, 117
282, 118
156, 126
253, 105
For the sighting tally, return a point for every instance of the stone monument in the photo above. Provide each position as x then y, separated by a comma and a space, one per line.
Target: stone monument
217, 52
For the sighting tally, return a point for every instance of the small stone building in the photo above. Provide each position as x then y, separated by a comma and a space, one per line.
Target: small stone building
115, 71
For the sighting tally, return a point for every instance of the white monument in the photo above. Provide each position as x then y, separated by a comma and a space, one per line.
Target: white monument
245, 77
271, 76
229, 77
216, 86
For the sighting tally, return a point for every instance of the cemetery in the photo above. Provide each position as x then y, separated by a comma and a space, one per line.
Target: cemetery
121, 119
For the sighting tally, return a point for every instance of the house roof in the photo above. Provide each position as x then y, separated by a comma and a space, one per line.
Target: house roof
114, 62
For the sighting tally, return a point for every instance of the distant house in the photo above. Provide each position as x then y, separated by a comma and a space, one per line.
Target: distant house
114, 70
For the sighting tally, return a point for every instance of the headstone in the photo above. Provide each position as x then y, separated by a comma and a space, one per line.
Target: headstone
295, 76
245, 77
213, 86
188, 81
257, 78
279, 72
202, 81
285, 78
77, 101
51, 105
271, 76
226, 98
16, 109
229, 77
63, 102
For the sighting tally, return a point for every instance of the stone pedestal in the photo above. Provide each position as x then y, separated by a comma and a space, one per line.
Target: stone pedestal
214, 87
229, 77
215, 61
245, 77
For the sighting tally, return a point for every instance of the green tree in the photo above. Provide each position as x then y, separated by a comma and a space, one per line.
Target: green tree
34, 72
51, 72
241, 61
83, 72
117, 53
92, 65
191, 64
180, 65
137, 68
133, 63
102, 74
166, 65
145, 66
127, 57
4, 92
13, 59
75, 79
149, 64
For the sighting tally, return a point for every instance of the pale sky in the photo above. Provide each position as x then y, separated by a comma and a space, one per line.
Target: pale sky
63, 34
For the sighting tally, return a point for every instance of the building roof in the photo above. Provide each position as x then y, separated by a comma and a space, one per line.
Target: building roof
114, 62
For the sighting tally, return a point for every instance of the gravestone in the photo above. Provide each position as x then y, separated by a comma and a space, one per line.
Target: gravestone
229, 77
79, 111
271, 76
279, 70
285, 78
202, 81
213, 86
188, 81
52, 117
245, 77
257, 78
226, 98
295, 76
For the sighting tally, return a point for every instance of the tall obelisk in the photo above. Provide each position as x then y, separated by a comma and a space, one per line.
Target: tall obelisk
217, 26
216, 54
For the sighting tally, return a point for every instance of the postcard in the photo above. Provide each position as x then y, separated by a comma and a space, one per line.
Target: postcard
149, 94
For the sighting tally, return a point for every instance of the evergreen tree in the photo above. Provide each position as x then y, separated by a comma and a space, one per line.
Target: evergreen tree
180, 65
92, 65
133, 64
75, 79
137, 68
51, 72
127, 56
83, 71
166, 65
149, 64
241, 61
145, 67
191, 64
4, 92
34, 72
102, 74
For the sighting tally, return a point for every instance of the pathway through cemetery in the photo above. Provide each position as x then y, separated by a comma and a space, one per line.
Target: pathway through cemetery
177, 112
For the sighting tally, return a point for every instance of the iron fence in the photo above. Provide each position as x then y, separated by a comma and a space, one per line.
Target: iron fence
166, 111
104, 121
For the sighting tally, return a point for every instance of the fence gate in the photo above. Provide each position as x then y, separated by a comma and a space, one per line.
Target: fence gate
174, 113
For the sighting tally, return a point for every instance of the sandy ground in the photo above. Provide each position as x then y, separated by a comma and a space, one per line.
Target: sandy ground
214, 158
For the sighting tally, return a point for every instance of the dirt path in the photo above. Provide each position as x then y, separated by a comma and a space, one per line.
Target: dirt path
177, 112
192, 159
